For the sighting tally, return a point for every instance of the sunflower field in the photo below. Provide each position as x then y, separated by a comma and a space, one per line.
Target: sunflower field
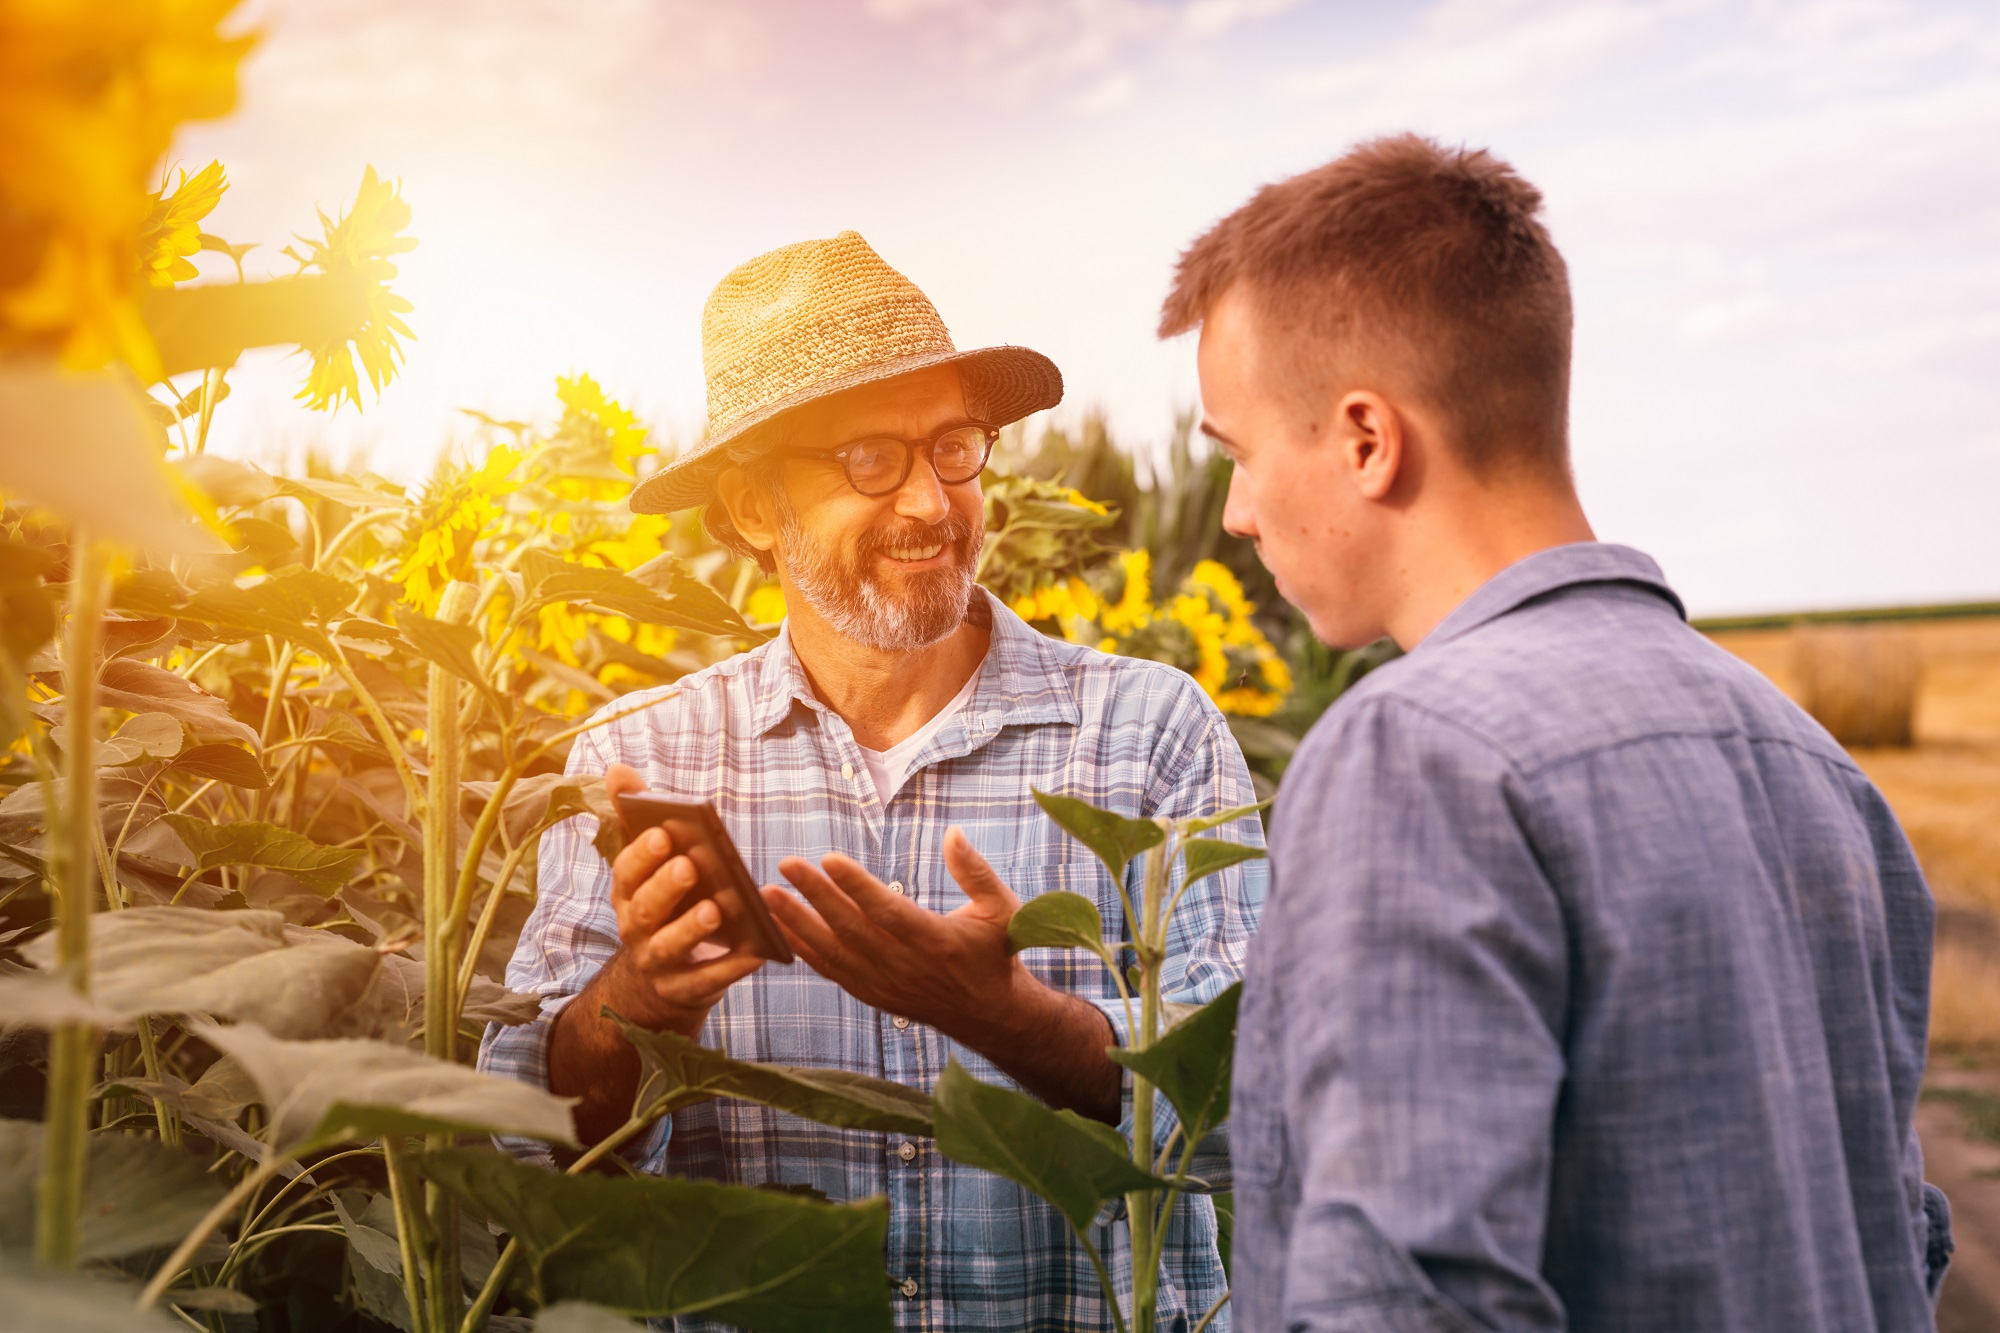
276, 751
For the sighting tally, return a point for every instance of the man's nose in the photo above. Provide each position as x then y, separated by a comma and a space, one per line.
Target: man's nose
922, 495
1239, 515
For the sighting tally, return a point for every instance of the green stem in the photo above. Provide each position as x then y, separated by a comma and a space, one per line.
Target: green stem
1103, 1280
245, 1248
360, 523
186, 883
194, 796
1146, 1235
398, 760
487, 824
73, 1047
409, 1225
468, 965
274, 708
281, 665
459, 904
163, 1114
118, 845
1213, 1311
211, 381
1174, 1194
444, 927
440, 824
210, 1220
187, 672
305, 1176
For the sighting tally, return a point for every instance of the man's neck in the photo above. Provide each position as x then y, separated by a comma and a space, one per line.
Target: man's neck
886, 696
1461, 546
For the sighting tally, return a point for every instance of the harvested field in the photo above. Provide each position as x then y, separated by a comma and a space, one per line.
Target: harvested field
1945, 788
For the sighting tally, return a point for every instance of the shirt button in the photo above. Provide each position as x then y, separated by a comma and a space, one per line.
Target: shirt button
900, 1022
908, 1152
909, 1287
896, 886
847, 772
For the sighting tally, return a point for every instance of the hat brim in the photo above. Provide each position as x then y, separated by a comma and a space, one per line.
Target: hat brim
1006, 383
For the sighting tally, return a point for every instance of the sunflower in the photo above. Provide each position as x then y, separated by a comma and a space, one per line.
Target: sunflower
90, 96
458, 509
586, 409
173, 226
1134, 608
361, 241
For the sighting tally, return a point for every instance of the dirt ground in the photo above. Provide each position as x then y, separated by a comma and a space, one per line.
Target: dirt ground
1945, 789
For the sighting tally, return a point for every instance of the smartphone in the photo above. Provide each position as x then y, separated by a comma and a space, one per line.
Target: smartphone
696, 832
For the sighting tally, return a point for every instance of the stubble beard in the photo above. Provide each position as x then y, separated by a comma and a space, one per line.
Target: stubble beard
843, 587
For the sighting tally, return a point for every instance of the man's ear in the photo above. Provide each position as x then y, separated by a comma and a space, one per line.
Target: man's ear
1373, 441
751, 508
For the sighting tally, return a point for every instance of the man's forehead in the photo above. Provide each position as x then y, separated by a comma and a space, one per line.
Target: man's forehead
909, 404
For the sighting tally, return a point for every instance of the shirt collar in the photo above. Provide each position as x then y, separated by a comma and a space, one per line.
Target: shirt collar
1020, 681
1549, 570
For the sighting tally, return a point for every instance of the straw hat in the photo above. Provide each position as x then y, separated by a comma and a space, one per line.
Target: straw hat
809, 320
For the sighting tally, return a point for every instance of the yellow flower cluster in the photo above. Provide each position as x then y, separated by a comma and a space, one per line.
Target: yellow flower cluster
766, 605
90, 95
1213, 608
1206, 629
585, 403
460, 507
362, 242
560, 491
1068, 604
1134, 608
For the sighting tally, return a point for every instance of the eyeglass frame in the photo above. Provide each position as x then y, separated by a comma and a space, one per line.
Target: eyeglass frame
910, 449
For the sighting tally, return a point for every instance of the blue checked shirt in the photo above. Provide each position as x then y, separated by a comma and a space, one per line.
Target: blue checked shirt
966, 1250
1591, 995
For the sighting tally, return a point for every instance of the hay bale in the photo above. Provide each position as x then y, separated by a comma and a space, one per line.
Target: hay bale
1858, 681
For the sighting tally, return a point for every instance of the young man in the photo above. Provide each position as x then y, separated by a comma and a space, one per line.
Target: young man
1592, 989
880, 754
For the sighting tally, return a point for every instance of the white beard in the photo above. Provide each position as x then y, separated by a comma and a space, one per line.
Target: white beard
856, 604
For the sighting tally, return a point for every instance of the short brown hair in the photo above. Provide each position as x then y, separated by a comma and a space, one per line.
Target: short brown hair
1437, 253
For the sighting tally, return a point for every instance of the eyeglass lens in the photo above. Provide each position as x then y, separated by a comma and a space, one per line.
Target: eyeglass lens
875, 466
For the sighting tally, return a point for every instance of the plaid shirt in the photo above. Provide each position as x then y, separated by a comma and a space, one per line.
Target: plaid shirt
966, 1250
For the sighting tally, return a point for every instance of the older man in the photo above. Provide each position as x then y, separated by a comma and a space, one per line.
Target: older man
1592, 992
880, 754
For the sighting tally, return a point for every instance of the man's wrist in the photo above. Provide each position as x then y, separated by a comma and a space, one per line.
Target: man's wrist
626, 989
1026, 1015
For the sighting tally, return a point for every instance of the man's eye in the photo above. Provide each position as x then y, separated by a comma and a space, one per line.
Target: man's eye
870, 458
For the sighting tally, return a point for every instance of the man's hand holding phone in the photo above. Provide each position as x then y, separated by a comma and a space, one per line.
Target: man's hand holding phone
666, 978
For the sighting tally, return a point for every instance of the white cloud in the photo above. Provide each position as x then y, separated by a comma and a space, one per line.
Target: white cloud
1490, 62
1085, 47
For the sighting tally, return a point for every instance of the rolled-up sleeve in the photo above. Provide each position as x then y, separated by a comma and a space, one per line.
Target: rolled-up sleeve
1416, 953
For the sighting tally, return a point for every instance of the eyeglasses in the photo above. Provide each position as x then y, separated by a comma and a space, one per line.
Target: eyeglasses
880, 464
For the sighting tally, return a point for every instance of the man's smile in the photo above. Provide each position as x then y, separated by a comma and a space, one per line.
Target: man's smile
914, 555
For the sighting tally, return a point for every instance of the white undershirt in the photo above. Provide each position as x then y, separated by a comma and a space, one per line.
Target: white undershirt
889, 767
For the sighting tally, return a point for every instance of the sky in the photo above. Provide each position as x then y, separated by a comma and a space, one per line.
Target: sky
1781, 217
